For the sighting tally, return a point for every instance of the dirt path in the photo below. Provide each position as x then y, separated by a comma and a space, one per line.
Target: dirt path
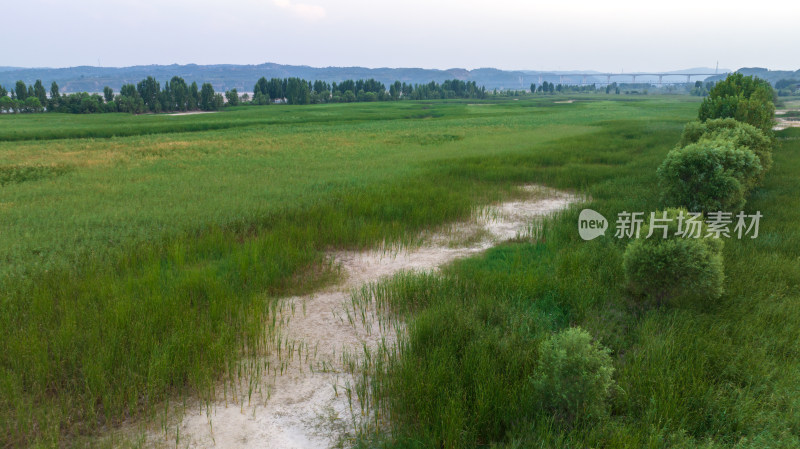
306, 404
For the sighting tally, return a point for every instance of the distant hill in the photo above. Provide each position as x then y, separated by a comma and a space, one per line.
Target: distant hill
772, 76
243, 77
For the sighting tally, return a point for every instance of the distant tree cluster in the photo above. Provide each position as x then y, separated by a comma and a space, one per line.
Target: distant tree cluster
548, 88
299, 91
176, 95
701, 89
698, 88
23, 98
145, 96
787, 87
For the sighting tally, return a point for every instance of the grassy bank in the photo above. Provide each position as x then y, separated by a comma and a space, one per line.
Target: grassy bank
697, 375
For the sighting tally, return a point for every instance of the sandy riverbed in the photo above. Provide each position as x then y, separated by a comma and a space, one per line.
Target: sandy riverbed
305, 405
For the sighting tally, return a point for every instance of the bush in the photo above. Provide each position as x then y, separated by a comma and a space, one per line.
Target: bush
676, 267
744, 98
711, 175
736, 132
573, 375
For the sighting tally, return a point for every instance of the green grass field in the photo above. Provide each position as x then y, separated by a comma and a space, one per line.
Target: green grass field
141, 255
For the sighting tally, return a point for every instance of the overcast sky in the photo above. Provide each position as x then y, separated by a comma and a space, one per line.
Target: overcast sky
617, 35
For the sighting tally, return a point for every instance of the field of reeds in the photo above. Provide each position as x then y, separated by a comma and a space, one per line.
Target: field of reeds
142, 257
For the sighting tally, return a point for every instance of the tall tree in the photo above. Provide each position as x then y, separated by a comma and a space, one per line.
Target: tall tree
297, 91
130, 100
207, 97
54, 95
321, 86
180, 93
108, 94
39, 92
149, 89
55, 98
219, 102
395, 89
165, 98
194, 97
261, 87
233, 97
21, 90
746, 98
276, 88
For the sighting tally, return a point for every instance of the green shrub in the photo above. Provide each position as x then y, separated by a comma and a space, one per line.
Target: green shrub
573, 375
711, 175
676, 267
694, 131
745, 98
736, 132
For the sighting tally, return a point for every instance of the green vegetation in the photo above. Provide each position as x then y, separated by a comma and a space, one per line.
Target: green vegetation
137, 267
721, 159
573, 376
787, 87
715, 166
148, 96
748, 99
707, 374
712, 374
739, 133
143, 263
299, 91
671, 266
712, 175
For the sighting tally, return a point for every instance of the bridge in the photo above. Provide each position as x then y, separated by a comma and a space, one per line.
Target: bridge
569, 77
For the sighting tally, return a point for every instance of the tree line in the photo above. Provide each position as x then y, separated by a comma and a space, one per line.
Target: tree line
721, 158
548, 87
787, 87
299, 91
177, 96
145, 96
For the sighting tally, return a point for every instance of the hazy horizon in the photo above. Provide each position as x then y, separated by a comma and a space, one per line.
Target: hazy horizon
587, 70
614, 36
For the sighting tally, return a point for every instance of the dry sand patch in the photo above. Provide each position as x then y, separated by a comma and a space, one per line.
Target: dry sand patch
785, 122
308, 401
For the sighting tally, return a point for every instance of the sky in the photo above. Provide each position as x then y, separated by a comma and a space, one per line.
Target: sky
610, 36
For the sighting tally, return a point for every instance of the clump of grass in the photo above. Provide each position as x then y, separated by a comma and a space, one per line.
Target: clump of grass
14, 174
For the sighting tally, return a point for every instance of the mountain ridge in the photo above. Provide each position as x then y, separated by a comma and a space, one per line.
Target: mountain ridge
243, 76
